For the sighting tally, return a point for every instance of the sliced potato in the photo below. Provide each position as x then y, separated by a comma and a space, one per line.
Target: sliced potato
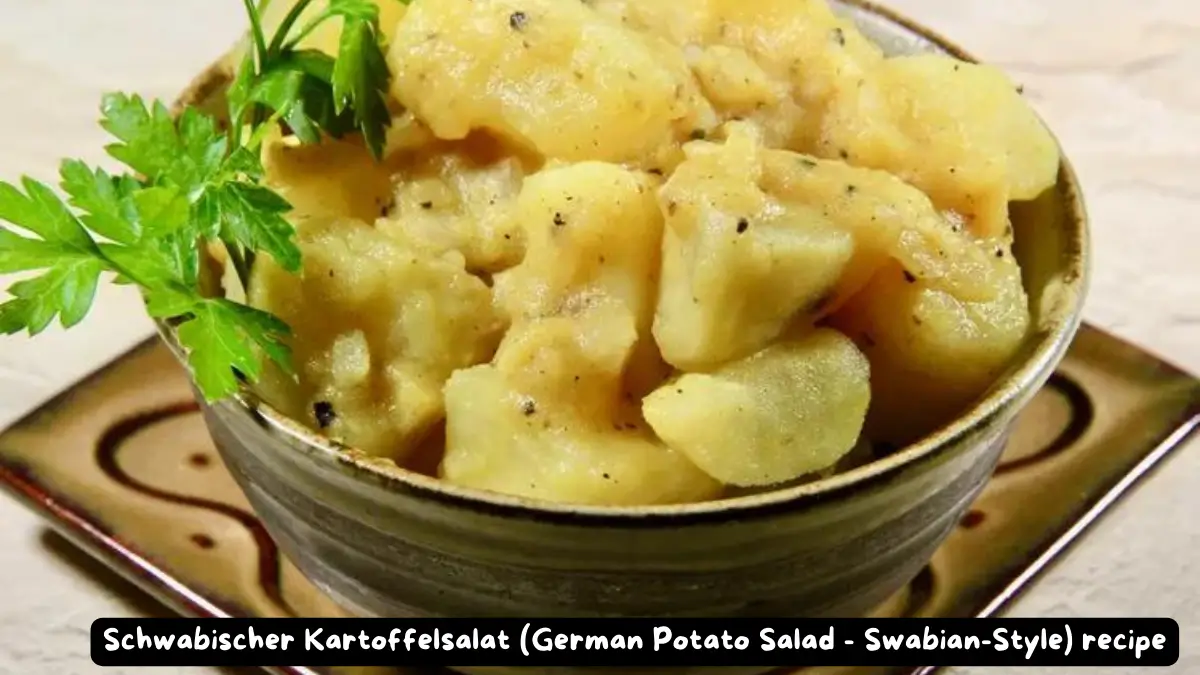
458, 197
378, 328
590, 229
773, 63
932, 353
553, 76
758, 240
548, 420
961, 132
737, 264
792, 409
593, 233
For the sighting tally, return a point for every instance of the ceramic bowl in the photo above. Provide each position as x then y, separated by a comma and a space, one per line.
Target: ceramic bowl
386, 542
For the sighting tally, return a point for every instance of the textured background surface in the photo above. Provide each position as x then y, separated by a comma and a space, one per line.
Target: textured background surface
1115, 79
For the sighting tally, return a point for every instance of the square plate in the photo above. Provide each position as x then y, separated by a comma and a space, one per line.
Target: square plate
122, 465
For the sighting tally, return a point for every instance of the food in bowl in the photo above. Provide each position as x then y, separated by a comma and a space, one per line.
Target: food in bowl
713, 242
633, 253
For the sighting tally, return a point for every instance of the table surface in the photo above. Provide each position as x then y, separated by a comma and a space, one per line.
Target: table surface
1114, 78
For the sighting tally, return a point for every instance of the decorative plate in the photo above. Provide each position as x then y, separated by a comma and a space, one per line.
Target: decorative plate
121, 464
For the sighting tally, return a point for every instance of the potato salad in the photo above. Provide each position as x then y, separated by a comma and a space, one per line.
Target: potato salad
638, 252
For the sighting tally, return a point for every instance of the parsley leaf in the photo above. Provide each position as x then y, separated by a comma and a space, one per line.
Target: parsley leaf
194, 183
360, 74
148, 230
149, 142
61, 246
252, 215
103, 198
223, 337
300, 89
66, 291
312, 92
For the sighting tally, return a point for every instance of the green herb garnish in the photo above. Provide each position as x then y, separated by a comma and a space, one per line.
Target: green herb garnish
308, 89
192, 184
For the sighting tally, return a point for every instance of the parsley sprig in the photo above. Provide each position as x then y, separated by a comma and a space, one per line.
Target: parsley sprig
308, 89
192, 184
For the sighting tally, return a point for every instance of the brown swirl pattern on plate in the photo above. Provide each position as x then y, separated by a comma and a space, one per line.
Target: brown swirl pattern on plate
123, 466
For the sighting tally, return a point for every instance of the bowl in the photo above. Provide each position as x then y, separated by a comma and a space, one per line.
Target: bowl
383, 541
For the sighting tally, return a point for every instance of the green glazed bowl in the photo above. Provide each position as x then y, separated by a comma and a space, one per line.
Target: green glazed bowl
386, 542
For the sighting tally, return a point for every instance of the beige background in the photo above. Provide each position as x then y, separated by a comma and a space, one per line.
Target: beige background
1117, 80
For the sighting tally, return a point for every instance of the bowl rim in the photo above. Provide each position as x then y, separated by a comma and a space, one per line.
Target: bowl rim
1009, 392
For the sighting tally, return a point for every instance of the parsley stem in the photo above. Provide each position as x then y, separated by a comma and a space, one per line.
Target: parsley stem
240, 265
259, 133
307, 30
256, 28
290, 20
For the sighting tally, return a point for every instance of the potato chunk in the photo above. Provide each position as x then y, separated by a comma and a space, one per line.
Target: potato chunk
590, 229
774, 63
593, 232
757, 240
548, 421
336, 179
737, 265
550, 75
932, 353
458, 198
378, 328
794, 408
958, 131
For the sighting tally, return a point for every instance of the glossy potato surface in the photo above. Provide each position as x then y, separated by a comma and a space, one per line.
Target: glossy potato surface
795, 408
932, 352
959, 131
548, 420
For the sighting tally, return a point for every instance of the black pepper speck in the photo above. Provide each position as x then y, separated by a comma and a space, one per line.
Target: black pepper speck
559, 220
323, 411
839, 36
743, 225
908, 276
528, 407
518, 20
427, 205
